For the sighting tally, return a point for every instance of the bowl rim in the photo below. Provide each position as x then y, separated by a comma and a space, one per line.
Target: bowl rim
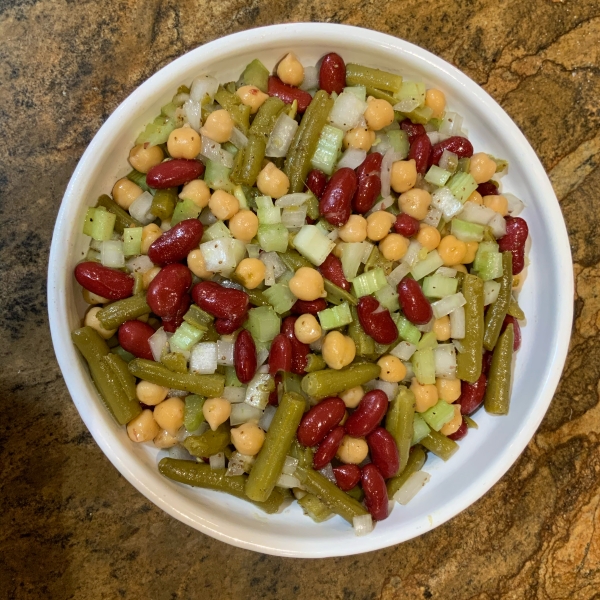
57, 308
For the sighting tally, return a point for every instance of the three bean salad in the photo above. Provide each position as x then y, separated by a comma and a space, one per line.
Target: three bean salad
305, 284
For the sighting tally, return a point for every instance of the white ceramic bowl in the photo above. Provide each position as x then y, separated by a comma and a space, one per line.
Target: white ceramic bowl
485, 454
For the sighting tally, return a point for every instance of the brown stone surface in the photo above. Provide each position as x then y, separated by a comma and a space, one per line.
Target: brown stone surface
71, 526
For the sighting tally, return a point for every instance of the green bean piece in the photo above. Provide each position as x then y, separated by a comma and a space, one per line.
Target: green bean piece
293, 260
439, 444
470, 423
113, 341
119, 368
124, 219
399, 422
269, 462
336, 295
314, 362
139, 179
468, 361
198, 318
116, 313
292, 383
201, 475
256, 74
514, 310
302, 453
312, 207
338, 501
495, 314
174, 361
304, 144
257, 298
365, 344
126, 356
377, 260
357, 493
380, 95
210, 386
94, 349
193, 416
373, 78
330, 382
317, 510
231, 379
209, 443
415, 463
232, 103
163, 203
497, 391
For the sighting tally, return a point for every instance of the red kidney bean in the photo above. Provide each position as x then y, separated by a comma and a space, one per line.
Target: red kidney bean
347, 476
219, 301
486, 361
514, 240
300, 350
384, 452
368, 183
328, 447
228, 326
516, 328
471, 395
274, 395
172, 173
320, 420
331, 268
332, 74
420, 150
288, 93
244, 356
134, 336
170, 324
487, 189
301, 307
460, 433
280, 355
376, 320
412, 129
174, 245
336, 202
167, 289
406, 225
368, 414
316, 182
376, 498
415, 306
103, 281
461, 146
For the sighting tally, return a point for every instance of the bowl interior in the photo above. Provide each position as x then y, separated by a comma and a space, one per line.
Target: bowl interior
485, 454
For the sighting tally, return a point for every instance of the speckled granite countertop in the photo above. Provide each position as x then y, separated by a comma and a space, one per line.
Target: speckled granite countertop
70, 525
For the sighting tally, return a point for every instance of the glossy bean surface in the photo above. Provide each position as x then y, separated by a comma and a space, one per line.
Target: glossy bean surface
280, 355
336, 202
406, 225
420, 150
368, 184
288, 93
332, 74
316, 182
347, 476
320, 420
171, 323
376, 322
368, 414
376, 498
244, 356
517, 232
172, 173
384, 452
331, 269
302, 307
174, 245
219, 301
328, 447
228, 326
415, 306
471, 395
461, 146
412, 129
168, 288
460, 433
300, 350
487, 189
134, 336
104, 281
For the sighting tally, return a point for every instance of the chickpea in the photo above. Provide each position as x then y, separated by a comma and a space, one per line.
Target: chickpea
218, 126
216, 411
337, 249
150, 233
392, 369
92, 298
244, 225
498, 204
223, 205
352, 451
248, 438
436, 101
164, 439
415, 203
426, 395
441, 328
475, 197
338, 350
429, 237
472, 248
143, 157
148, 276
184, 143
404, 175
452, 251
454, 425
290, 70
251, 272
150, 394
307, 329
359, 138
460, 268
197, 265
378, 114
307, 284
169, 414
143, 428
251, 96
448, 389
394, 246
354, 230
197, 191
379, 224
273, 182
124, 192
482, 167
353, 396
91, 320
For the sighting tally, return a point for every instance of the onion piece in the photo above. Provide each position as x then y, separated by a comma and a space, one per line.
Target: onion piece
444, 199
404, 350
287, 481
327, 471
444, 357
217, 461
290, 464
382, 204
158, 342
433, 217
203, 358
140, 208
213, 151
265, 422
448, 161
139, 264
412, 254
451, 124
281, 137
239, 464
261, 357
390, 389
297, 199
242, 413
458, 324
362, 524
112, 255
311, 79
389, 158
294, 217
272, 261
446, 272
475, 213
193, 114
515, 205
411, 487
238, 139
234, 395
225, 353
446, 305
202, 87
407, 105
491, 289
434, 137
352, 158
498, 226
398, 274
347, 111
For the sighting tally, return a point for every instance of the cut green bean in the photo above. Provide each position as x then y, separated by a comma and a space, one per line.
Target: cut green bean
314, 362
365, 344
302, 453
124, 219
193, 416
139, 179
468, 361
336, 295
163, 203
495, 314
399, 422
415, 463
372, 78
209, 443
317, 510
122, 374
330, 382
116, 313
232, 103
269, 462
439, 444
174, 361
257, 298
380, 95
293, 260
514, 310
497, 391
198, 318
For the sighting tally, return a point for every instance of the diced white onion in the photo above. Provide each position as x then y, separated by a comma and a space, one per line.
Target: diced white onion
427, 327
390, 389
382, 143
389, 158
458, 345
242, 413
266, 419
457, 323
213, 151
444, 199
311, 79
281, 137
407, 105
238, 139
318, 345
234, 395
432, 217
297, 199
140, 208
217, 461
446, 305
346, 111
287, 481
327, 471
112, 255
362, 524
228, 283
261, 357
491, 289
193, 113
173, 393
180, 98
448, 161
434, 137
412, 254
264, 369
498, 226
444, 357
404, 350
475, 213
254, 391
294, 217
272, 261
203, 358
165, 225
269, 275
352, 158
158, 342
225, 353
382, 204
410, 372
239, 464
398, 274
515, 205
203, 86
446, 272
139, 264
367, 249
290, 464
411, 487
451, 124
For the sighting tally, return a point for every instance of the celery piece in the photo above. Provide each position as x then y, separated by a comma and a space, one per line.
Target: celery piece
490, 266
440, 414
326, 154
420, 115
238, 192
132, 241
216, 177
263, 323
336, 316
313, 244
193, 416
424, 365
256, 74
369, 282
429, 264
267, 213
352, 254
88, 223
186, 336
231, 379
439, 286
140, 180
429, 340
483, 249
465, 231
388, 297
360, 91
399, 141
103, 225
413, 91
273, 238
406, 330
462, 185
437, 176
420, 429
215, 231
185, 209
280, 297
158, 131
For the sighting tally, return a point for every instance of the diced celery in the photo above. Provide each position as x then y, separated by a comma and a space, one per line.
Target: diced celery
336, 316
158, 131
360, 91
369, 282
231, 379
273, 238
186, 336
186, 209
428, 265
216, 176
420, 115
399, 141
412, 90
465, 231
352, 255
388, 297
140, 179
406, 330
263, 323
280, 297
313, 244
193, 416
462, 185
267, 213
215, 231
490, 266
238, 192
438, 286
424, 365
437, 176
103, 225
132, 241
256, 74
420, 429
440, 414
429, 340
88, 223
483, 249
326, 154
